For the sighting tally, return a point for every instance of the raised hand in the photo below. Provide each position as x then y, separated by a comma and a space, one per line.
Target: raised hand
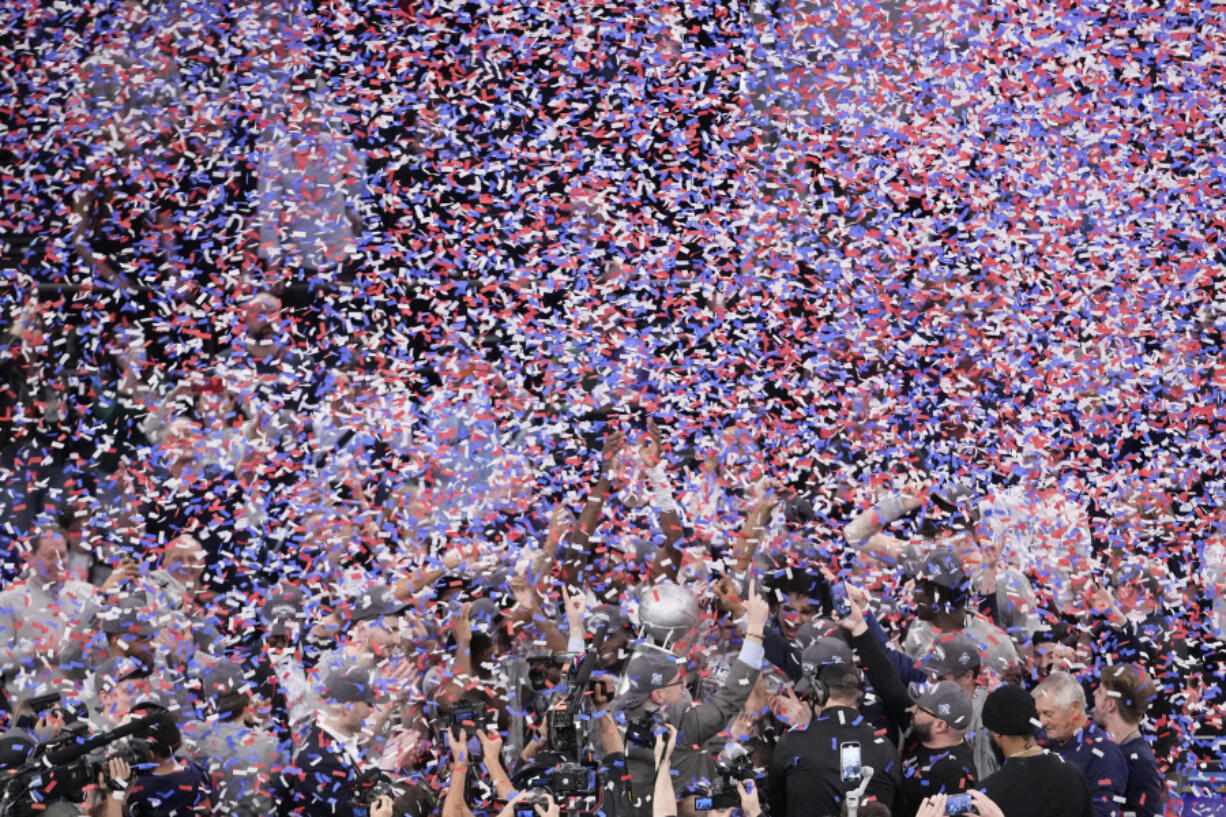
756, 611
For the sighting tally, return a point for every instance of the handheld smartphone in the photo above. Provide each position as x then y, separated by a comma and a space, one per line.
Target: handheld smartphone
849, 762
959, 804
839, 600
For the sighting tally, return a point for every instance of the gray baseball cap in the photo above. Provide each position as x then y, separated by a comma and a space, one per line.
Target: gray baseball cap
952, 654
349, 685
376, 602
947, 701
649, 669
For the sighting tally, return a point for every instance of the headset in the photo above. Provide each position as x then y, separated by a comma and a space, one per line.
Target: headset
816, 681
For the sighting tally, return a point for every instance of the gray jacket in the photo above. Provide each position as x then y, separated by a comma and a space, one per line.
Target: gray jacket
244, 762
695, 726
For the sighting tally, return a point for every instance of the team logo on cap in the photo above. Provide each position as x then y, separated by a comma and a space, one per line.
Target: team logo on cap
943, 709
656, 679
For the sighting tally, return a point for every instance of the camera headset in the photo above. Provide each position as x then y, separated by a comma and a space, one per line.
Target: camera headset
816, 681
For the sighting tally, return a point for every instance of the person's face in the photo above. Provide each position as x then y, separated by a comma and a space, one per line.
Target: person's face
966, 680
382, 633
794, 612
185, 563
118, 702
49, 558
925, 600
672, 694
263, 315
1060, 725
613, 650
355, 714
923, 724
1104, 705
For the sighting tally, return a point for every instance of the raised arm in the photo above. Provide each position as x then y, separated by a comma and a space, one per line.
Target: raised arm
575, 558
667, 561
865, 531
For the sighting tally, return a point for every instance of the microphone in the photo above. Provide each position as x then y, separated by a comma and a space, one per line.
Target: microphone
67, 754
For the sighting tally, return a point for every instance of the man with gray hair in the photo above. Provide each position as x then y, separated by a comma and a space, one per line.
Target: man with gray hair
1061, 704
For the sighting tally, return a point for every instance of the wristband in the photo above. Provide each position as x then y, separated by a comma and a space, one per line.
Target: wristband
117, 795
661, 491
889, 509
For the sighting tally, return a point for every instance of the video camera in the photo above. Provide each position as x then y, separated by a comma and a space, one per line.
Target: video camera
370, 785
64, 769
732, 768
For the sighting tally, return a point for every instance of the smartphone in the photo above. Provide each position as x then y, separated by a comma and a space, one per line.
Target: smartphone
959, 804
839, 600
849, 762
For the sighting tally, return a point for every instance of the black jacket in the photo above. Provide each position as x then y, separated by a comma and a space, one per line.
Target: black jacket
804, 775
322, 781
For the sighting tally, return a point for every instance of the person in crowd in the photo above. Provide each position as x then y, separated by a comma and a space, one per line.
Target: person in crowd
170, 788
956, 658
41, 611
1121, 699
322, 781
657, 691
243, 759
937, 759
806, 776
1068, 729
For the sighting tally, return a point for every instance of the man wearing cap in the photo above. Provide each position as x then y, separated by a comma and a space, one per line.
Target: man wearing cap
956, 658
936, 759
244, 760
942, 591
1032, 782
1070, 732
322, 781
657, 687
1121, 699
119, 683
282, 616
373, 629
805, 773
942, 588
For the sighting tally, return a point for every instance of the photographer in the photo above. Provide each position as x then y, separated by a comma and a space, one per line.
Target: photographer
173, 788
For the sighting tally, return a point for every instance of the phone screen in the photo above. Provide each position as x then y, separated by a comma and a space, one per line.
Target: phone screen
958, 804
849, 762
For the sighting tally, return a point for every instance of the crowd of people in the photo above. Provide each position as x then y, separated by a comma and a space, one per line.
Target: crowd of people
520, 408
306, 614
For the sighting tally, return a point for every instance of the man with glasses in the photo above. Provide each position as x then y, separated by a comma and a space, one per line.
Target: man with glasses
936, 758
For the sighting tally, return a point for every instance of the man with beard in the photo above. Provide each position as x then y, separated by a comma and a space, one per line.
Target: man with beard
1032, 782
937, 758
657, 690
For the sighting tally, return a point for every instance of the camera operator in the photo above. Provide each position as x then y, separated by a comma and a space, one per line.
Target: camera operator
173, 788
324, 777
657, 690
